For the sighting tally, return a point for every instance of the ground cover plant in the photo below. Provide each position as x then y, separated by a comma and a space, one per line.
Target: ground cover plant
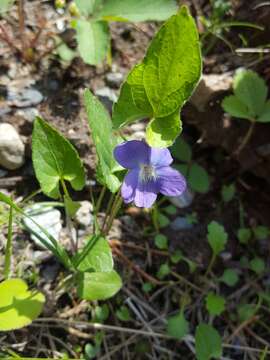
134, 221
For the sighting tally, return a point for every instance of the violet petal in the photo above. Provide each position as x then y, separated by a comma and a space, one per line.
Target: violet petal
160, 157
146, 193
170, 181
129, 186
131, 154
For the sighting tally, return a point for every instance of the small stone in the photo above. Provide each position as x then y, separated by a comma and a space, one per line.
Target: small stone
210, 86
11, 147
28, 114
107, 96
47, 217
183, 200
181, 223
3, 173
25, 98
84, 215
114, 79
225, 255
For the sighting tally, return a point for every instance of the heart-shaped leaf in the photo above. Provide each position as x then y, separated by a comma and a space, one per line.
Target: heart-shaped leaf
18, 305
55, 160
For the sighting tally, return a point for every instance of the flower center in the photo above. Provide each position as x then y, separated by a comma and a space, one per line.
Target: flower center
147, 173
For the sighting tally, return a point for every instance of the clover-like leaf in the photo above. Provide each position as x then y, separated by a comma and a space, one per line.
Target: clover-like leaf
18, 305
251, 90
217, 237
235, 107
207, 342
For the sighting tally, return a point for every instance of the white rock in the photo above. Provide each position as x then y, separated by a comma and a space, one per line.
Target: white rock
11, 147
47, 217
209, 86
84, 215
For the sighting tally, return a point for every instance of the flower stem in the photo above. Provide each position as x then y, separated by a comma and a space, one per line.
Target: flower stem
114, 210
8, 251
246, 137
73, 241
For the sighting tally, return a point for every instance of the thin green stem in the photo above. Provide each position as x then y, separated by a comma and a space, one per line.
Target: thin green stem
114, 210
100, 198
210, 265
68, 219
247, 137
8, 252
112, 198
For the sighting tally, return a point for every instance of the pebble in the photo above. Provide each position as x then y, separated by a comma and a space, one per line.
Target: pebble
47, 217
25, 97
183, 200
11, 147
84, 215
28, 114
209, 86
107, 96
180, 223
114, 79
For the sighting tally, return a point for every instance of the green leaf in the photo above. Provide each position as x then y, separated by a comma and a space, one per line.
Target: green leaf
135, 80
71, 206
261, 232
230, 277
235, 107
215, 304
161, 241
207, 342
98, 285
101, 313
251, 90
125, 110
123, 313
244, 235
5, 5
163, 271
177, 326
55, 159
170, 210
163, 220
181, 150
18, 305
198, 178
172, 64
159, 86
265, 114
162, 132
217, 237
257, 265
65, 53
49, 241
93, 40
86, 7
101, 129
99, 257
246, 311
228, 192
140, 10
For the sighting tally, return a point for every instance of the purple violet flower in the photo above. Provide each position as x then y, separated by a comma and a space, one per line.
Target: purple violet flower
149, 173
